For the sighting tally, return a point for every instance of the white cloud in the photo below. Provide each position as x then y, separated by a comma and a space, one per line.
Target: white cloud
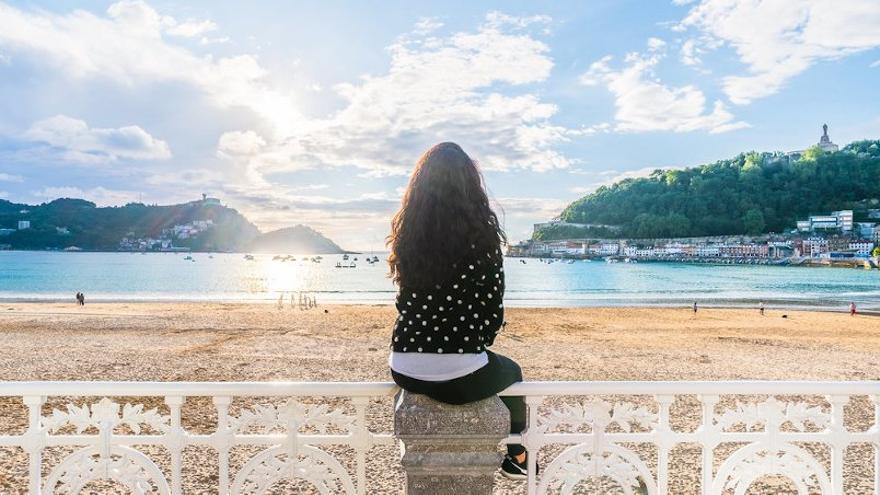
437, 89
690, 52
74, 140
876, 63
191, 28
643, 103
98, 195
240, 143
656, 44
779, 39
129, 46
10, 178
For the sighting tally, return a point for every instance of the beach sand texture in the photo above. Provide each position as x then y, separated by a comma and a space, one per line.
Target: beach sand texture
240, 342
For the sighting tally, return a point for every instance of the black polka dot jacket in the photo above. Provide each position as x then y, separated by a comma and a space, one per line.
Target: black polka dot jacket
461, 315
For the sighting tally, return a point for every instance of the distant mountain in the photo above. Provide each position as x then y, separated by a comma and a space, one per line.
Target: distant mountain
752, 193
203, 225
299, 239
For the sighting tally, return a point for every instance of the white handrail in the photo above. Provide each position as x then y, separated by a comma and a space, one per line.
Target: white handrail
602, 427
368, 389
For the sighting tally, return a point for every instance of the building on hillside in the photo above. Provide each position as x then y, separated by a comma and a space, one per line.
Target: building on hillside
210, 201
24, 224
824, 144
835, 221
4, 232
62, 231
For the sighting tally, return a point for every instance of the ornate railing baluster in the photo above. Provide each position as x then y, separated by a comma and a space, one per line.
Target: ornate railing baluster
222, 440
176, 442
581, 432
34, 440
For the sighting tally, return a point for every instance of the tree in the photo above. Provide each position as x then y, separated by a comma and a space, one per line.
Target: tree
718, 198
753, 222
876, 251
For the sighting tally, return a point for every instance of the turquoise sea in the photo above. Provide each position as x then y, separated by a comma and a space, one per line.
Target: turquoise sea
230, 277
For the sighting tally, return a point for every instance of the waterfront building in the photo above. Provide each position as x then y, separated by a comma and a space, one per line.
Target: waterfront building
708, 250
609, 248
24, 224
814, 247
744, 250
5, 232
861, 247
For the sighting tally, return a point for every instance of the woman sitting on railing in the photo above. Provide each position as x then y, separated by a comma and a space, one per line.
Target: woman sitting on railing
446, 260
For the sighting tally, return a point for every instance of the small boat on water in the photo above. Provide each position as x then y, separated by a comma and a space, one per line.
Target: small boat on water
249, 257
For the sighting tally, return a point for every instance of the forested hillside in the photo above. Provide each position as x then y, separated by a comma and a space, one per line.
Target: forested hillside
750, 194
90, 227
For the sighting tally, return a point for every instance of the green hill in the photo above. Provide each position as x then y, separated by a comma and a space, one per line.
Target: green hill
75, 222
752, 193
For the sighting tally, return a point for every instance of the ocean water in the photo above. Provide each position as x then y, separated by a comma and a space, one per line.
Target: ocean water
230, 277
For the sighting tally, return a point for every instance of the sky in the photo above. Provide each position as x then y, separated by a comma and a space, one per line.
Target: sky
315, 112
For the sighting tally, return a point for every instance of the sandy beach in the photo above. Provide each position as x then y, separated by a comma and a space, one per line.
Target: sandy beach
224, 342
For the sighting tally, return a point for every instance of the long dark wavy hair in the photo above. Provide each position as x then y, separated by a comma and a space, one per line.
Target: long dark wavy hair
444, 218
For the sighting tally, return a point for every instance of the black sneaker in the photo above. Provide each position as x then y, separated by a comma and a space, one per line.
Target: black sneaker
513, 470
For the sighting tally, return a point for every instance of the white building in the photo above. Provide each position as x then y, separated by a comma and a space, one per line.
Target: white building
24, 224
836, 220
609, 248
708, 250
862, 247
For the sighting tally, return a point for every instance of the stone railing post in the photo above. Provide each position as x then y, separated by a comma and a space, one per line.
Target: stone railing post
450, 450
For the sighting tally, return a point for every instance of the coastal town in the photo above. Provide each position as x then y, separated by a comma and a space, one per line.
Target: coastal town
844, 237
822, 239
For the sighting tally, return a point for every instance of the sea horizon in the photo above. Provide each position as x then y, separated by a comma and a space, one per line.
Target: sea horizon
51, 276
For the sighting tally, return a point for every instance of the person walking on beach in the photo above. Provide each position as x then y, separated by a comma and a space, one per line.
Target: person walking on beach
852, 308
446, 260
761, 307
695, 307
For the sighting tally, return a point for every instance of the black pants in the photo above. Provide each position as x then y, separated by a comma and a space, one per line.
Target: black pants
500, 373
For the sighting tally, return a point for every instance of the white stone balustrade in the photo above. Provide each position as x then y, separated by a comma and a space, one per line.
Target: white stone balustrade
642, 437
